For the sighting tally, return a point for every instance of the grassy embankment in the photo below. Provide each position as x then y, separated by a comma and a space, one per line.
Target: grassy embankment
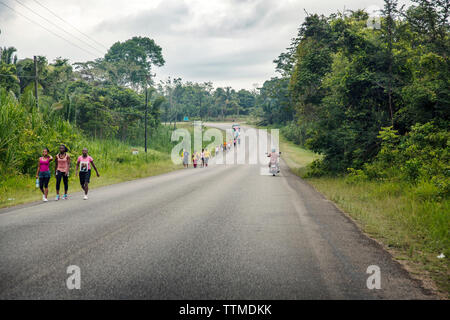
414, 230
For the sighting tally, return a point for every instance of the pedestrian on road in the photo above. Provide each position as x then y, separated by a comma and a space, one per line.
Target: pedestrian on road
202, 155
84, 163
207, 155
185, 158
43, 173
62, 168
194, 159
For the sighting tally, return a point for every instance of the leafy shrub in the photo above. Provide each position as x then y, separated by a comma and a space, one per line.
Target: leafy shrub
355, 176
420, 158
296, 132
317, 169
426, 190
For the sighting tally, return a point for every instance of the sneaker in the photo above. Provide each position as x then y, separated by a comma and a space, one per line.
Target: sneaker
45, 199
57, 197
85, 197
65, 197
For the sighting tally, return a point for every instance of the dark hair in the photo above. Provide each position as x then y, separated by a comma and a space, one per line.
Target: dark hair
46, 149
65, 148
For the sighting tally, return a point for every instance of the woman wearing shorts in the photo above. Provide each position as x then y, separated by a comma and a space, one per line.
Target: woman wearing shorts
84, 163
62, 166
43, 173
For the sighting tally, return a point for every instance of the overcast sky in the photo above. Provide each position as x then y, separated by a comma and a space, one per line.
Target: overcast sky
228, 42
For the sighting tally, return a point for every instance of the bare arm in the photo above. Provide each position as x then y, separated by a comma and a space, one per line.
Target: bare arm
56, 164
95, 168
78, 165
37, 171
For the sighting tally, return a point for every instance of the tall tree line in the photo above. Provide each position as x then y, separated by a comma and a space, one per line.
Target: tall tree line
105, 97
344, 80
202, 101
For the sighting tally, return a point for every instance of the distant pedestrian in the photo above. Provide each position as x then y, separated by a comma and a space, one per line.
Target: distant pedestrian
43, 173
207, 155
185, 158
62, 168
194, 159
84, 163
202, 155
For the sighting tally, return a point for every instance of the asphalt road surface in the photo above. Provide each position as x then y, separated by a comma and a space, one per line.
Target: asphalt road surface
223, 232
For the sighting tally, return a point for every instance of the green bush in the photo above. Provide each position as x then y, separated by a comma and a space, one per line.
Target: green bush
317, 169
296, 132
420, 158
356, 175
426, 190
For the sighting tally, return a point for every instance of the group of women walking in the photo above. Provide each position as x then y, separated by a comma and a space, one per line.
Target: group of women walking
62, 170
197, 158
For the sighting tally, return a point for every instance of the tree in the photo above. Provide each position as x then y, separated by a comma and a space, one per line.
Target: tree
220, 98
7, 55
9, 79
8, 70
246, 101
389, 12
25, 71
429, 20
130, 63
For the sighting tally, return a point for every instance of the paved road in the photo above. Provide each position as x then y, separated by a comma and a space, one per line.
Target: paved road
225, 232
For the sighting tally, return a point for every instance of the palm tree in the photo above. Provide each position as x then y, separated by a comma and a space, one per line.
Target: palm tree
7, 55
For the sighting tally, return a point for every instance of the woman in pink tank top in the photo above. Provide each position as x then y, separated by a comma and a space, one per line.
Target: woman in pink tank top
43, 173
62, 168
